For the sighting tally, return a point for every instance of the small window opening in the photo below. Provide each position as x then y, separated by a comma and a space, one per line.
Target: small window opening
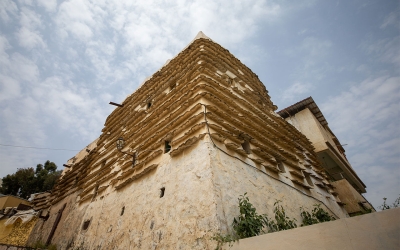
308, 179
162, 192
149, 105
167, 146
281, 167
86, 224
172, 86
246, 147
363, 206
134, 160
122, 210
95, 191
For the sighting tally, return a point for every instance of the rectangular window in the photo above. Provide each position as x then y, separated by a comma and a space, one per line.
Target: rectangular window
134, 159
246, 147
308, 178
281, 167
172, 86
167, 146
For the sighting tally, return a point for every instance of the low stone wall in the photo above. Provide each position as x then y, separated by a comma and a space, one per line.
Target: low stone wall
378, 230
11, 247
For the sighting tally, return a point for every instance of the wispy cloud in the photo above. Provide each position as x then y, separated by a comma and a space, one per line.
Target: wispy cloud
315, 47
28, 34
385, 50
296, 91
49, 5
8, 10
391, 19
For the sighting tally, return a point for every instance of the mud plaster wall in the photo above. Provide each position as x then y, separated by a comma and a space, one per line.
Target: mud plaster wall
201, 184
182, 219
42, 228
233, 178
4, 230
349, 196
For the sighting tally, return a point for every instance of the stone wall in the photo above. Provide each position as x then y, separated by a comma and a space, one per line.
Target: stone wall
12, 247
232, 177
135, 217
201, 189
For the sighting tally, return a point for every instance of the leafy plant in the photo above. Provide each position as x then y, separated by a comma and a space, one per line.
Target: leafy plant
385, 206
222, 239
308, 219
249, 223
317, 215
281, 222
41, 245
321, 214
52, 247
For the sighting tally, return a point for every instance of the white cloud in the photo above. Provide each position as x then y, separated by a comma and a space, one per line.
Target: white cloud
391, 19
72, 107
29, 39
315, 47
9, 88
295, 91
372, 98
144, 34
77, 18
49, 5
29, 19
7, 8
385, 50
23, 69
313, 64
29, 35
4, 45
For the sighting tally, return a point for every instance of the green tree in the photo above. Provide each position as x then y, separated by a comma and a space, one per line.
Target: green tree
10, 185
20, 183
27, 181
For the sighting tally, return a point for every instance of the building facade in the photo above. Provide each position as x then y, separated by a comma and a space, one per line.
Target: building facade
11, 201
309, 120
191, 139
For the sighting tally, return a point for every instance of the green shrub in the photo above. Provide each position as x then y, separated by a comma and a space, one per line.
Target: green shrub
249, 223
281, 222
317, 215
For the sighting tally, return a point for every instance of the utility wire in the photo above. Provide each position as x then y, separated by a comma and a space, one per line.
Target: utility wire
17, 146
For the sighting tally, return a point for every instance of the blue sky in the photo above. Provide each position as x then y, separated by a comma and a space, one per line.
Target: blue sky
61, 62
